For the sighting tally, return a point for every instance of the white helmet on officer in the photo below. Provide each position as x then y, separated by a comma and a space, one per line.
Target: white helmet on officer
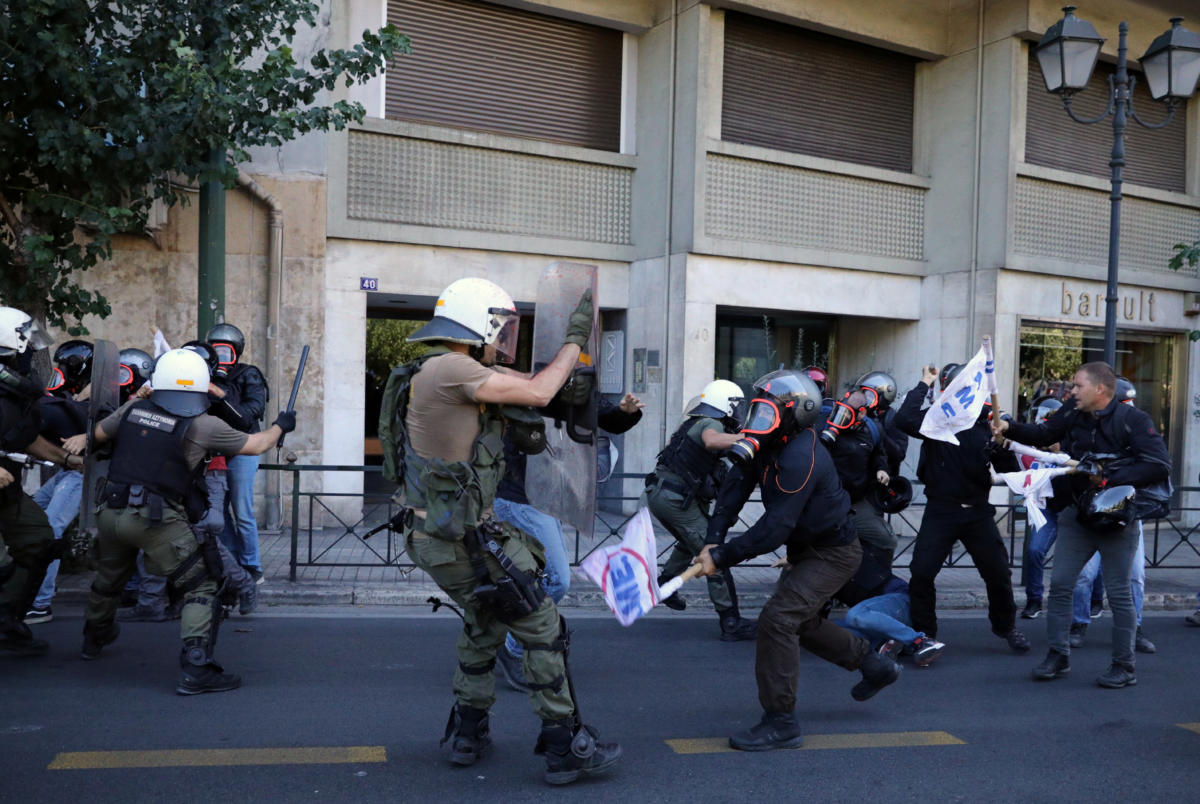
19, 332
180, 383
719, 400
476, 312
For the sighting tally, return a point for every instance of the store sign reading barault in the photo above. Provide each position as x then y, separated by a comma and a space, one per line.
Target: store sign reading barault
1087, 303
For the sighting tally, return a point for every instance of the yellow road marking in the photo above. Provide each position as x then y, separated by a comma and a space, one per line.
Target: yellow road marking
1190, 726
817, 742
209, 757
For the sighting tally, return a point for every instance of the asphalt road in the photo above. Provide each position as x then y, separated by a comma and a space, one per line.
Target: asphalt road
354, 703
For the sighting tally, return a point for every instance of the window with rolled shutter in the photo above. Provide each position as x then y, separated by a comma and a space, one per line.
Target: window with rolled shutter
1154, 157
801, 91
492, 68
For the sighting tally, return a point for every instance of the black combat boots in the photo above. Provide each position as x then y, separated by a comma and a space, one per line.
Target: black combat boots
735, 628
17, 639
571, 749
96, 637
877, 672
200, 673
775, 730
469, 729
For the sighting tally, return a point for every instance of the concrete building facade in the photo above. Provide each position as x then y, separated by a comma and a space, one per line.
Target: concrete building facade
719, 254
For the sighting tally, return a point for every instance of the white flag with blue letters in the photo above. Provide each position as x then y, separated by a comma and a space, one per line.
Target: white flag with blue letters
958, 407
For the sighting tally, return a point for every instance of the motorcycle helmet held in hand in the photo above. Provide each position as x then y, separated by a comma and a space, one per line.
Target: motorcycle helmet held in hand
1106, 509
784, 402
894, 497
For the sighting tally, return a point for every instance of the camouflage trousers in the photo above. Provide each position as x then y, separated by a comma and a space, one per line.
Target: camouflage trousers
474, 682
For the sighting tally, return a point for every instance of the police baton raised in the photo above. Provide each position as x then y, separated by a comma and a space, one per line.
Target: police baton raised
292, 399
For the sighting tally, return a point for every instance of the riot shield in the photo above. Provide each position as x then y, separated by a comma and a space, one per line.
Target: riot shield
105, 398
561, 480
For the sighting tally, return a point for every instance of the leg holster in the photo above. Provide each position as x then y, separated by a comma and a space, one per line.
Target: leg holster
561, 645
206, 551
512, 596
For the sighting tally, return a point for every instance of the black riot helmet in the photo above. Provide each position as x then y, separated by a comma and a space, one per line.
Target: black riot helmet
784, 402
895, 496
1125, 391
1042, 408
208, 352
1106, 508
947, 375
229, 342
72, 367
135, 371
884, 386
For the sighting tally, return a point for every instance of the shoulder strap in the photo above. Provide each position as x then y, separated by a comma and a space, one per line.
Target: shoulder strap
873, 428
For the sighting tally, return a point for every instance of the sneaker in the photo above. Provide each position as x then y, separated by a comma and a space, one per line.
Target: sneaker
512, 670
1055, 665
778, 730
1193, 618
1078, 632
248, 600
925, 650
142, 614
1017, 641
36, 615
890, 648
1140, 643
877, 672
1033, 608
257, 574
1118, 675
1097, 608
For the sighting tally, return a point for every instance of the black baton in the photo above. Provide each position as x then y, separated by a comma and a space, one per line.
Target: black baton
292, 399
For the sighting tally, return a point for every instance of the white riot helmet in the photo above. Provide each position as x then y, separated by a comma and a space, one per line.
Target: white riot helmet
476, 312
180, 383
719, 400
19, 332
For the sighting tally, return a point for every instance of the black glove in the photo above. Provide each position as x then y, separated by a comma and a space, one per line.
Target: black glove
286, 421
579, 325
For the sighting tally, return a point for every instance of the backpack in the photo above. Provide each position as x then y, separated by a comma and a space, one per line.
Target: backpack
396, 395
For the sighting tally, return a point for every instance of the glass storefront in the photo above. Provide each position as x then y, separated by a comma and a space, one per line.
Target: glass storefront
749, 346
1050, 354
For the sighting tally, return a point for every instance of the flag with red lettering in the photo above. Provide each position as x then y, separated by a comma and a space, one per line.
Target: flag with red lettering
627, 573
1034, 486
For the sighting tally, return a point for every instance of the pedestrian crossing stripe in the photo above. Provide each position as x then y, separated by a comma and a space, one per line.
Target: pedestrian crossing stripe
215, 757
1190, 726
818, 742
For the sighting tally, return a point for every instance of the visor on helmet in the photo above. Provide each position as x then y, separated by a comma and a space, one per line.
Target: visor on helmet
506, 339
226, 354
36, 338
872, 398
762, 418
57, 380
124, 375
843, 416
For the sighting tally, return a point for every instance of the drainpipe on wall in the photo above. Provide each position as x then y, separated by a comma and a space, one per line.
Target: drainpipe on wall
975, 181
274, 298
670, 167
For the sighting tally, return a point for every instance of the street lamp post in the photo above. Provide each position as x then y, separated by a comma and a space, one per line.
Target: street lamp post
1067, 55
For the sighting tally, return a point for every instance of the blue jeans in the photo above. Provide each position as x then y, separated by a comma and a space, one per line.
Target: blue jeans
1039, 543
882, 618
548, 532
241, 529
59, 498
1091, 571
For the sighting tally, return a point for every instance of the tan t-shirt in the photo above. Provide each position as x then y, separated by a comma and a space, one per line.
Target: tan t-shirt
443, 416
206, 434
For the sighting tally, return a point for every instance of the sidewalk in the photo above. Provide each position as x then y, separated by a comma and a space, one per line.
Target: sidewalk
1168, 589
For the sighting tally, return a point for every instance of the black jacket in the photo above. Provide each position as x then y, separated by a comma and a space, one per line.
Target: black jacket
245, 399
803, 499
609, 416
858, 457
895, 442
955, 475
1117, 429
62, 417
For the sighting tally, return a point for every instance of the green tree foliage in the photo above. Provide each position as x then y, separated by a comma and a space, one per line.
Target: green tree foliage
1190, 255
105, 106
386, 345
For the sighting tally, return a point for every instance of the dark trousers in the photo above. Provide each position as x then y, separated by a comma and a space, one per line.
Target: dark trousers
792, 620
943, 525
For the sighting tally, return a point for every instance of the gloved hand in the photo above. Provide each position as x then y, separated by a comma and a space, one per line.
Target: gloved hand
286, 420
579, 325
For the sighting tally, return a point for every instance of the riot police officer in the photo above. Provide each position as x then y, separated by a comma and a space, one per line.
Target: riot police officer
806, 509
856, 445
26, 531
685, 480
242, 395
449, 458
155, 488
